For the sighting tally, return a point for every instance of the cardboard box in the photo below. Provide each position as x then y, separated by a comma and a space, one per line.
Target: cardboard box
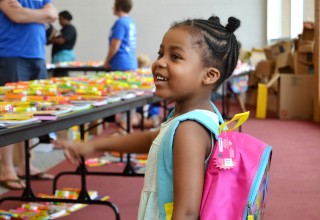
268, 53
296, 96
272, 99
303, 63
253, 80
308, 31
305, 45
265, 68
284, 63
294, 99
303, 69
279, 48
305, 58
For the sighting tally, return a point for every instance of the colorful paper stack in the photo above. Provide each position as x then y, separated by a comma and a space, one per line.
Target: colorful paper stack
49, 210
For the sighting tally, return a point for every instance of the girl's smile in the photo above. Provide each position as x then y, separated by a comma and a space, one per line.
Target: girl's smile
160, 80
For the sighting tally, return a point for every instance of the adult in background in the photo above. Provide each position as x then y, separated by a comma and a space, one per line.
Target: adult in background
63, 44
122, 45
22, 58
122, 40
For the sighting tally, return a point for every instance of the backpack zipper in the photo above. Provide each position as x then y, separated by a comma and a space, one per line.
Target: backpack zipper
250, 214
256, 183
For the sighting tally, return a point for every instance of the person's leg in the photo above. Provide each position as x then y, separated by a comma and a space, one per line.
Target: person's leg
241, 101
8, 73
39, 69
7, 171
30, 69
8, 70
22, 165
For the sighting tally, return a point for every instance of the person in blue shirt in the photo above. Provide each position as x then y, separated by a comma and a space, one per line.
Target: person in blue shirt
122, 40
22, 58
122, 46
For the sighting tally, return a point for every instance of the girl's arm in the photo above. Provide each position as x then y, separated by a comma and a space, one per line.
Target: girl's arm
132, 143
192, 143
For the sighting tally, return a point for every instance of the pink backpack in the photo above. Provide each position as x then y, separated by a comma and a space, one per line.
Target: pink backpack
237, 176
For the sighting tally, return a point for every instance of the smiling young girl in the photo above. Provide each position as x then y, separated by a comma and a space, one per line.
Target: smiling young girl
195, 57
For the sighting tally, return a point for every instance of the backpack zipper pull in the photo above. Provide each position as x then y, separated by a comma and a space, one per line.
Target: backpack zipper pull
250, 215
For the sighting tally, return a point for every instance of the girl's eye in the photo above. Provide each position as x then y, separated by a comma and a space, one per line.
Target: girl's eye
160, 54
175, 57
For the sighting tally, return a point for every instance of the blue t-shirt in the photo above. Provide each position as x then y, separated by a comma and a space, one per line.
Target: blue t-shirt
124, 29
23, 40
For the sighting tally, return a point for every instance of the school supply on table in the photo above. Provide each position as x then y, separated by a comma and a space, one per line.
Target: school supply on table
96, 162
80, 107
12, 123
237, 175
50, 210
91, 102
16, 116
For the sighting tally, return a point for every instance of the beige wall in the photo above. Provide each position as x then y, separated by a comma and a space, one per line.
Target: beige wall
285, 16
308, 10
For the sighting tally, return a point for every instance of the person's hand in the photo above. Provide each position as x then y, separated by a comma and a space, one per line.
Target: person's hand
73, 150
107, 66
14, 4
52, 14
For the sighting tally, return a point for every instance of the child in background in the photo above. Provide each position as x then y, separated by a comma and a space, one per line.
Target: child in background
195, 57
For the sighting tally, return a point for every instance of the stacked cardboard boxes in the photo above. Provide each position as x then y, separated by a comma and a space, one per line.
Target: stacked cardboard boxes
303, 55
287, 74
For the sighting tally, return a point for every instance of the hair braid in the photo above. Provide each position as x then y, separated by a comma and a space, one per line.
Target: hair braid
218, 45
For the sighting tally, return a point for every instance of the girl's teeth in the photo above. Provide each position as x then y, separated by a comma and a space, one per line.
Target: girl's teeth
160, 78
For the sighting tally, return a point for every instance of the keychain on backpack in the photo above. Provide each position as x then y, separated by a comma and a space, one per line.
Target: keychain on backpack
225, 154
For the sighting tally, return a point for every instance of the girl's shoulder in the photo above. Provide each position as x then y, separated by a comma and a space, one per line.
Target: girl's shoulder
205, 118
200, 115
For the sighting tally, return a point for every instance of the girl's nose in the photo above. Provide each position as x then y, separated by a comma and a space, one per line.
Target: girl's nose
161, 62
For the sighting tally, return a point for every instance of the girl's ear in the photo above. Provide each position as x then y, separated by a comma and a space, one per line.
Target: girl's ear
211, 76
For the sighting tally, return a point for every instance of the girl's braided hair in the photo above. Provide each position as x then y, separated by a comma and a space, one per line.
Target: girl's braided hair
217, 44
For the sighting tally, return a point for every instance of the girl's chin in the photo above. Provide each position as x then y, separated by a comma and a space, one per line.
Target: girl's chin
161, 94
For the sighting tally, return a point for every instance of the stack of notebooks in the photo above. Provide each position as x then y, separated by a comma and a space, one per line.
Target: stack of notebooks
52, 114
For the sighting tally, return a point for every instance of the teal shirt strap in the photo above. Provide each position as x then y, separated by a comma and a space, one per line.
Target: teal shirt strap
165, 155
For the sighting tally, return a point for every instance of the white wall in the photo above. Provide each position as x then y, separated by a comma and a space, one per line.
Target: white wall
93, 20
308, 11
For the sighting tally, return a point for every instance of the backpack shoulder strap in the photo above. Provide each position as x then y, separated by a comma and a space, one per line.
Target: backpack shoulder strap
165, 155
